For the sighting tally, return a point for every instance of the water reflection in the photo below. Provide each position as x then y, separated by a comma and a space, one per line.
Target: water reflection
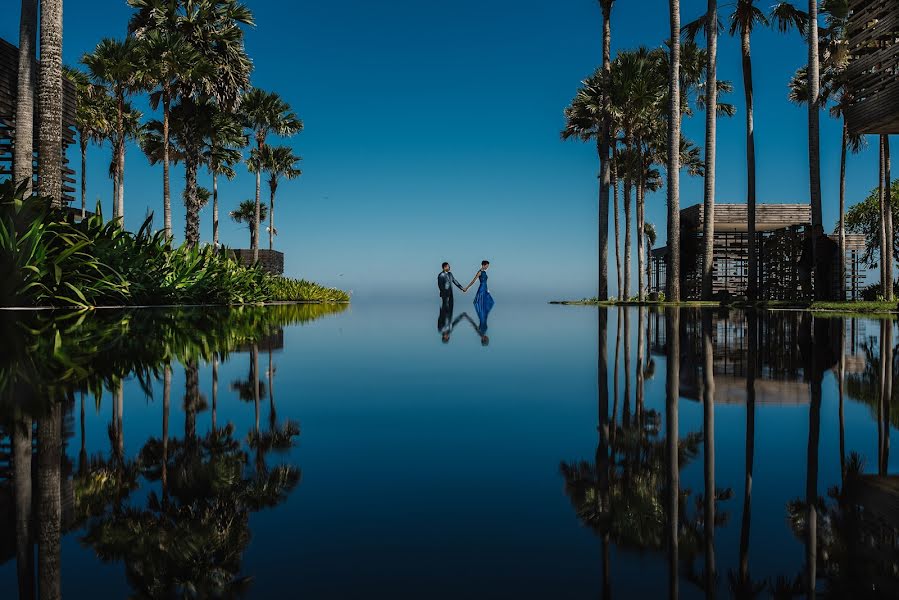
633, 493
185, 531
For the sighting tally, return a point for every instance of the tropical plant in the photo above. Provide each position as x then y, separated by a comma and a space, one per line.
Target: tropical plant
865, 218
113, 63
278, 162
245, 213
263, 113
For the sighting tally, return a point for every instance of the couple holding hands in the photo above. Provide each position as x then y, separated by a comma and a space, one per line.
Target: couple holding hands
483, 301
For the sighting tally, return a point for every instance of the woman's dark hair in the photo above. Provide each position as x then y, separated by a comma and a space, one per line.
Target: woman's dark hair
485, 262
444, 265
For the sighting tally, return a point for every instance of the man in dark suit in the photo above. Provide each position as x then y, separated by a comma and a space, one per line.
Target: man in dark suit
445, 283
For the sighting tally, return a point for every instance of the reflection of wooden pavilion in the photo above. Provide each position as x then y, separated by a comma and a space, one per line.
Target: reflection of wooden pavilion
9, 68
779, 233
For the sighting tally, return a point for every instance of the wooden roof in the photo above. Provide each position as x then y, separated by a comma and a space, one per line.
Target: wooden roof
874, 66
735, 217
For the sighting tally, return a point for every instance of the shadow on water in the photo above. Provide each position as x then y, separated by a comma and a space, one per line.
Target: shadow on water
185, 533
633, 496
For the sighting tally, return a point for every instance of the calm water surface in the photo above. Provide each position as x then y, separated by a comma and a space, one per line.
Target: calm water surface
362, 452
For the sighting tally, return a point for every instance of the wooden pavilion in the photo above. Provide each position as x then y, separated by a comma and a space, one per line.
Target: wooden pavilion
9, 68
779, 232
873, 69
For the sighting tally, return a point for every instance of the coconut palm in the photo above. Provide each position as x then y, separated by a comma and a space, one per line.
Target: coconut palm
212, 28
711, 127
278, 162
91, 119
263, 113
674, 142
246, 213
113, 63
604, 159
23, 150
221, 154
50, 103
169, 66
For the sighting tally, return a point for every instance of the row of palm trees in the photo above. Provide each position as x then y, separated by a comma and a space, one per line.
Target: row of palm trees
189, 57
631, 104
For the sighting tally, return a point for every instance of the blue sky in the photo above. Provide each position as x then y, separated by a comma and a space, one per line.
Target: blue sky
432, 133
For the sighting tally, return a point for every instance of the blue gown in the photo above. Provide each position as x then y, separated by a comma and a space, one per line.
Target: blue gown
483, 301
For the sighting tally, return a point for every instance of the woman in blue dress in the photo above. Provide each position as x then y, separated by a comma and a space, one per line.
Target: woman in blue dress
483, 301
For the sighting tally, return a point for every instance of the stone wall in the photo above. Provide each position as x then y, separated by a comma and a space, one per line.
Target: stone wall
270, 260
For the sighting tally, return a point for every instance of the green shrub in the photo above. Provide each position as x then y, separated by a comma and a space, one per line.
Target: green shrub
48, 259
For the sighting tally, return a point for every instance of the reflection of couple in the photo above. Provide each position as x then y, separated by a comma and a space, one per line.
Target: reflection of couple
483, 302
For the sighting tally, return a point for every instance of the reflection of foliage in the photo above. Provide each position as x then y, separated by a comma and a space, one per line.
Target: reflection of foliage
101, 486
865, 386
191, 540
45, 355
634, 513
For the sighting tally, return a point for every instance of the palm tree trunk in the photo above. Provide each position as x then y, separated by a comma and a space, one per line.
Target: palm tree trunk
674, 122
814, 74
750, 164
21, 448
711, 127
255, 364
49, 501
257, 217
888, 217
811, 482
627, 237
215, 209
614, 180
883, 191
166, 168
641, 193
842, 225
271, 219
604, 167
708, 437
82, 146
121, 182
120, 141
602, 387
672, 393
192, 223
23, 149
50, 104
886, 395
270, 377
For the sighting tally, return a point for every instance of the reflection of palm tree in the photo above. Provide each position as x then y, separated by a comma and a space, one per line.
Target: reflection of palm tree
708, 430
249, 390
672, 394
49, 508
22, 453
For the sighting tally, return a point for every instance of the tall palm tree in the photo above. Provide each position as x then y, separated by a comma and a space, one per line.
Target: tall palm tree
278, 162
711, 126
114, 63
246, 213
50, 103
221, 154
674, 142
604, 141
263, 113
886, 267
23, 150
169, 66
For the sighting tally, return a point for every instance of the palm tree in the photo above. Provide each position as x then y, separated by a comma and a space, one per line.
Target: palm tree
221, 153
278, 162
886, 257
604, 140
711, 125
50, 103
91, 119
169, 67
263, 113
246, 213
114, 63
674, 143
23, 150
